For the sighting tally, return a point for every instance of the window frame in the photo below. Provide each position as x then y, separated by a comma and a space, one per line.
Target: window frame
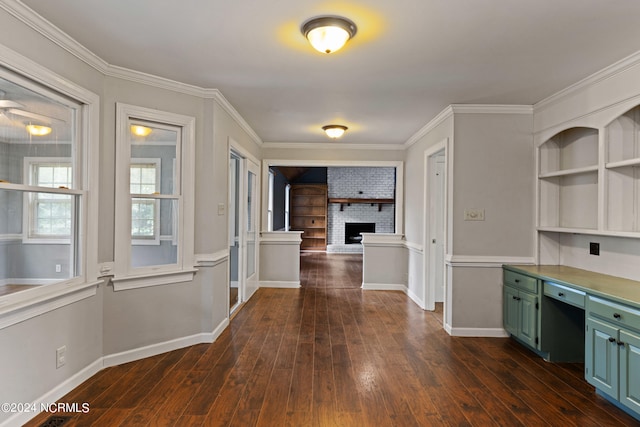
125, 275
20, 306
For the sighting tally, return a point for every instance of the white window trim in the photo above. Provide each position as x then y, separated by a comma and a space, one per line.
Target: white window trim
27, 208
125, 276
156, 235
272, 178
21, 306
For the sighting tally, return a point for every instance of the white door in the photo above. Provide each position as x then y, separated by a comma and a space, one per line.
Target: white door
251, 200
235, 223
437, 229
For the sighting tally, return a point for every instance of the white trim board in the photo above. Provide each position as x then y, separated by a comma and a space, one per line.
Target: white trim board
485, 261
476, 332
384, 287
279, 284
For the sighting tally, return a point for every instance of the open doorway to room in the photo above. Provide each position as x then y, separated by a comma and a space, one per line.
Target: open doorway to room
332, 205
243, 214
435, 228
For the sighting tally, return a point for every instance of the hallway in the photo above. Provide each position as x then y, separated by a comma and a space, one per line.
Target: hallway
329, 354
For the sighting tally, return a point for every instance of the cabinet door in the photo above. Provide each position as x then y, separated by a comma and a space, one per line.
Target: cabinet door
601, 357
630, 370
511, 310
528, 319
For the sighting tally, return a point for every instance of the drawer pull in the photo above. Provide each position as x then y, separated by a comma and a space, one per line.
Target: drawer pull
617, 315
560, 294
612, 339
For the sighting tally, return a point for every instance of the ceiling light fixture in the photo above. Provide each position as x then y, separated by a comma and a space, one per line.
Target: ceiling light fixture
334, 131
38, 130
138, 130
328, 33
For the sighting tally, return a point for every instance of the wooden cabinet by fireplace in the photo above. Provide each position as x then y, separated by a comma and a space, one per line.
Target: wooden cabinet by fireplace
309, 214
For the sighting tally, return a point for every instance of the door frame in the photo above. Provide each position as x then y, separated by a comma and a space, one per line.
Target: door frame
247, 162
430, 154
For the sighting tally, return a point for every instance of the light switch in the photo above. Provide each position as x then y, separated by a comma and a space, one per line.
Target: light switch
474, 214
220, 208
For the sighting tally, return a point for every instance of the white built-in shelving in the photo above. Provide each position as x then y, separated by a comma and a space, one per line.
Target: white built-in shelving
568, 180
589, 179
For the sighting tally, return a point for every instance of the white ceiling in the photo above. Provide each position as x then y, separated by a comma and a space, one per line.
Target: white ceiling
409, 60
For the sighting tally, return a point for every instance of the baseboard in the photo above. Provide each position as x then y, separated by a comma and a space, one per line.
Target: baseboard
415, 298
163, 347
476, 332
55, 394
279, 284
384, 287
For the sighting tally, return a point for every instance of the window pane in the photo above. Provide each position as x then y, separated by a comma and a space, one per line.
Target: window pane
23, 107
154, 158
165, 250
40, 262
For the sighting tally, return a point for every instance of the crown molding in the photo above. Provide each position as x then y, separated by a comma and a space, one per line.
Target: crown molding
491, 109
29, 17
217, 96
597, 77
441, 117
331, 146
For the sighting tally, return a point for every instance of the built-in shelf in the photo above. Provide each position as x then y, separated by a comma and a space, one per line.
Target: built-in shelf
349, 201
623, 163
567, 172
309, 214
590, 232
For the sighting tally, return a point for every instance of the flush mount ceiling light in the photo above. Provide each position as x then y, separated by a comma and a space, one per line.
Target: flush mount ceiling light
138, 130
38, 130
334, 131
328, 33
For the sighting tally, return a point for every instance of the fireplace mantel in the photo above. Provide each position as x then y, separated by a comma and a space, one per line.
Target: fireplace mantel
349, 201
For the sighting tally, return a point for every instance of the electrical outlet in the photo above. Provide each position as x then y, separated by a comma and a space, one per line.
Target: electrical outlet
61, 356
474, 214
58, 268
594, 248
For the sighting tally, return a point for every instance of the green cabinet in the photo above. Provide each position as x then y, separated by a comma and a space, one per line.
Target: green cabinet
612, 351
520, 305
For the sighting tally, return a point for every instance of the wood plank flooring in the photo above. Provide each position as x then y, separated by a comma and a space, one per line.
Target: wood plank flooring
329, 354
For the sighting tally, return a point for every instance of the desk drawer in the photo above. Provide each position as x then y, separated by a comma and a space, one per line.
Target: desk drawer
520, 281
564, 294
615, 313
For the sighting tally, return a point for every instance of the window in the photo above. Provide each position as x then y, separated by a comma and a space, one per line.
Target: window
145, 213
154, 198
48, 215
48, 191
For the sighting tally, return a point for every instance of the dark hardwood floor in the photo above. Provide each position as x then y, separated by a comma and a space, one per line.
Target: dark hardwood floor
329, 354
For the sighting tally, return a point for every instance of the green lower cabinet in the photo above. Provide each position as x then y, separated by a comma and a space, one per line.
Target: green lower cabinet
601, 357
630, 370
521, 315
612, 362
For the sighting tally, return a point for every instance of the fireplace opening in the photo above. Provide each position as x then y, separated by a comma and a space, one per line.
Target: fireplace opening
352, 231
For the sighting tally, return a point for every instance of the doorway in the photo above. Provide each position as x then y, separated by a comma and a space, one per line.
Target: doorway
243, 213
435, 227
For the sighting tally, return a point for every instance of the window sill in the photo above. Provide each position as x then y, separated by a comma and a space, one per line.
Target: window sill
21, 306
153, 279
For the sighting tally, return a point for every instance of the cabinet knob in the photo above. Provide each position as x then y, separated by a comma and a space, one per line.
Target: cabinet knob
617, 315
621, 344
612, 339
560, 294
517, 280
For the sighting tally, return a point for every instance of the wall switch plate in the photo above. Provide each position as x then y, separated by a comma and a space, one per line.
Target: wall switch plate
61, 356
221, 208
594, 248
58, 268
474, 214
